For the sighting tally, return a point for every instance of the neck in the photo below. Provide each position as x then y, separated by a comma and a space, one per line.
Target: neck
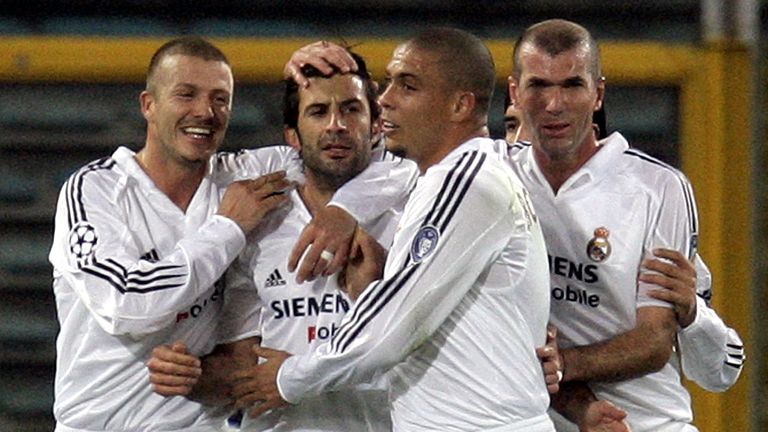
558, 169
178, 181
451, 141
315, 193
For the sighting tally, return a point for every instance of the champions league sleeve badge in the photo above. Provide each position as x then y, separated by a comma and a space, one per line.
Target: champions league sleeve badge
598, 249
424, 243
82, 240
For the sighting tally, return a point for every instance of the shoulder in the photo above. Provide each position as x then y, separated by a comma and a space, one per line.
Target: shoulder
653, 173
474, 174
256, 157
104, 172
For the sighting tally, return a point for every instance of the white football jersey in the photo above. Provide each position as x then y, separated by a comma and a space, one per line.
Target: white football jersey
131, 272
266, 301
464, 296
605, 219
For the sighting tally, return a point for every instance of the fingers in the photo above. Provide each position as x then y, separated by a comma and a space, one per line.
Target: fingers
292, 70
265, 406
268, 185
246, 202
173, 372
175, 356
673, 255
665, 268
311, 264
681, 283
305, 239
323, 55
551, 334
610, 410
179, 347
246, 391
339, 259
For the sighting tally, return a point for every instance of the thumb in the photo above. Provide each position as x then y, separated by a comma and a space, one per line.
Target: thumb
551, 332
179, 347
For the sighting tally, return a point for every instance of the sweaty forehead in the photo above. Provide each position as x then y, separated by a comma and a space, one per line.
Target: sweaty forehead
337, 88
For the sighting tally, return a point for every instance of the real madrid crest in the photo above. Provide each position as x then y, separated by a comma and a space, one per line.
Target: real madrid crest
599, 249
424, 243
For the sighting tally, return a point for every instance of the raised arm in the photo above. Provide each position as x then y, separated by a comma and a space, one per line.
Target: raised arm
396, 315
124, 284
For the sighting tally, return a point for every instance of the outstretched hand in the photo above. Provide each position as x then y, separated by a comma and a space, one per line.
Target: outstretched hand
256, 387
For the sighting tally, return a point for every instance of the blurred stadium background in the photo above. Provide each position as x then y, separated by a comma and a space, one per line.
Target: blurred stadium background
686, 83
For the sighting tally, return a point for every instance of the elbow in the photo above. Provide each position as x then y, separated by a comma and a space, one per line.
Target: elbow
716, 387
660, 349
658, 358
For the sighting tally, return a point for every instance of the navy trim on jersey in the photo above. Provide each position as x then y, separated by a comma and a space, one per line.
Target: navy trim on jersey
686, 186
735, 354
74, 189
374, 299
110, 270
127, 282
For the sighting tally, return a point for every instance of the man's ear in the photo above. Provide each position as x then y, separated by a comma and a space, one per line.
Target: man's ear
147, 102
463, 106
600, 87
512, 89
291, 136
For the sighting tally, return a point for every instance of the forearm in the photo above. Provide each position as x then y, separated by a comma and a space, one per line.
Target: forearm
380, 187
394, 316
642, 350
572, 400
712, 353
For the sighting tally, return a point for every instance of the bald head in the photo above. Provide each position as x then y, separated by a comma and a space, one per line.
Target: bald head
555, 37
465, 63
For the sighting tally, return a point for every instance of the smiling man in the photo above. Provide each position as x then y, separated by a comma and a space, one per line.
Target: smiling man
139, 245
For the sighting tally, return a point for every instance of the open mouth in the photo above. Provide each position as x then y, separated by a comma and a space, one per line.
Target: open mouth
388, 127
199, 132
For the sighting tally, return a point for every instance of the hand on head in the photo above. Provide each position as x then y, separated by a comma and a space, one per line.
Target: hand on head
323, 55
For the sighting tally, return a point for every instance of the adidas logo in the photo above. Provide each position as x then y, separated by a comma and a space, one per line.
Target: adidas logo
151, 256
274, 279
